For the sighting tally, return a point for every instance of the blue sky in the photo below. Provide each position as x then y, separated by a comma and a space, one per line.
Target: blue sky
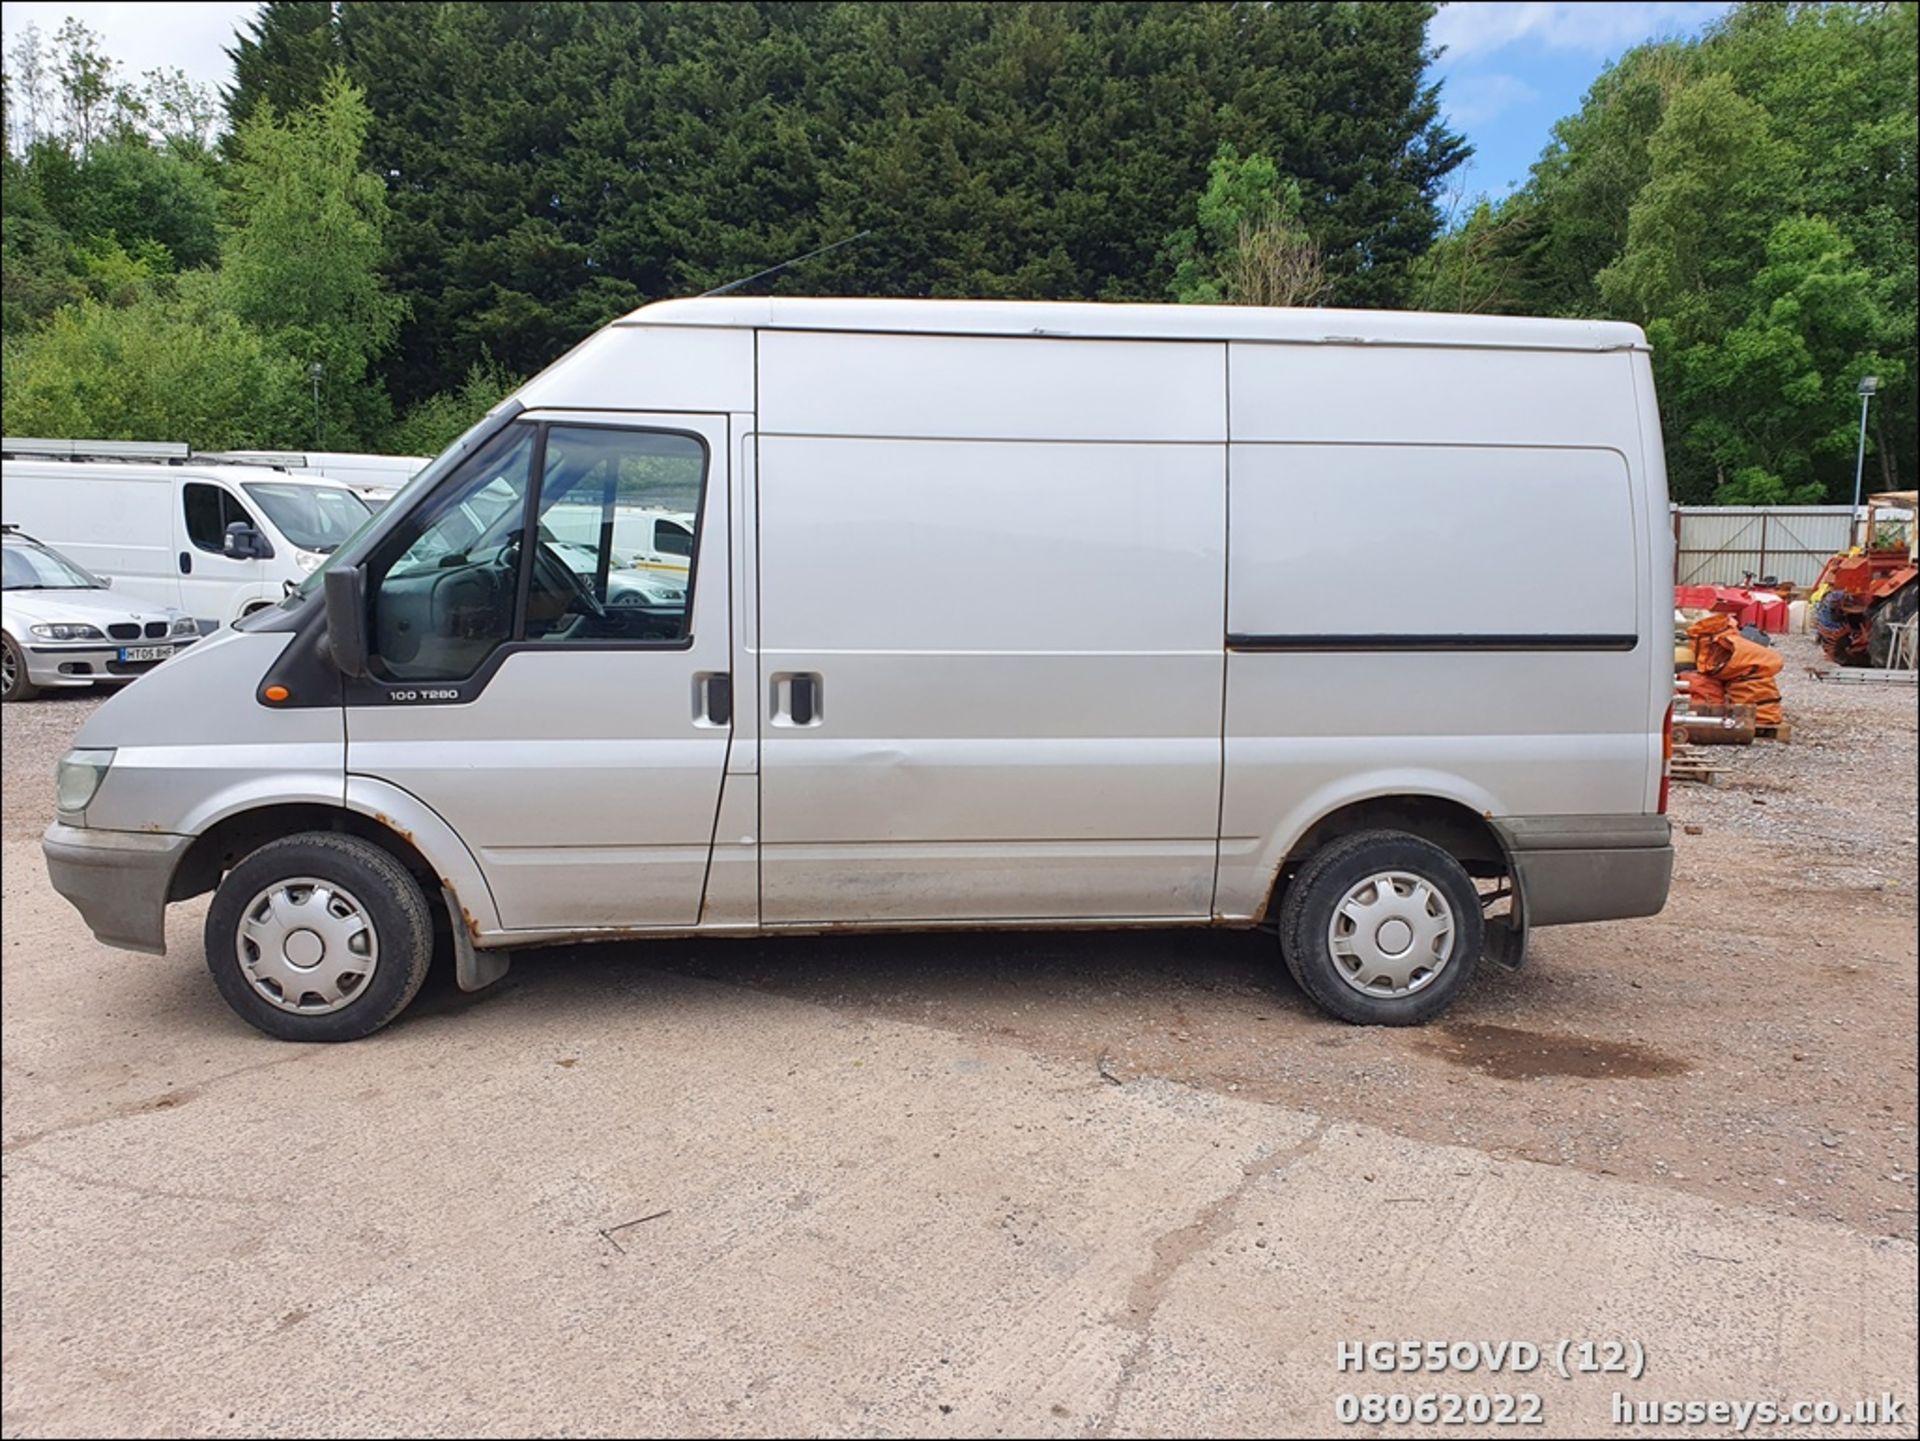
1511, 70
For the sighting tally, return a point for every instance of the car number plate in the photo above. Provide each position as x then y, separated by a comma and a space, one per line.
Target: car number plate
145, 652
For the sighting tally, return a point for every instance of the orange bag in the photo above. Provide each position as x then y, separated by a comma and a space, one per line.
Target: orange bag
1711, 625
1704, 689
1724, 653
1763, 694
1748, 659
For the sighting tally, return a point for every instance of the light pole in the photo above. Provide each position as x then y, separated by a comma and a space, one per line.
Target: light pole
316, 370
1868, 385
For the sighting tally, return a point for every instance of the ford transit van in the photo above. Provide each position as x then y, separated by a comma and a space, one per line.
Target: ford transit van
1351, 625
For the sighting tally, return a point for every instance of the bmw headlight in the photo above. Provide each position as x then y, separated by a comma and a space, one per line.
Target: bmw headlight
78, 778
185, 625
68, 632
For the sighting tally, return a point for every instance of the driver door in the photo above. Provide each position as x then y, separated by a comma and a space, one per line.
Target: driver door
563, 710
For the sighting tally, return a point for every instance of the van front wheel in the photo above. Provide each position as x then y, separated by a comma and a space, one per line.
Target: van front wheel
319, 937
1382, 928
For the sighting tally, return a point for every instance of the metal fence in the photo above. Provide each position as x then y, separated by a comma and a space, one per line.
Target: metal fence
1719, 545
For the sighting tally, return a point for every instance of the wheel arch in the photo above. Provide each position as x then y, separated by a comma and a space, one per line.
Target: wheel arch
1462, 830
398, 823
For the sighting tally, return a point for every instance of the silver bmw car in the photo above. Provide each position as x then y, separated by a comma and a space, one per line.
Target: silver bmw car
62, 626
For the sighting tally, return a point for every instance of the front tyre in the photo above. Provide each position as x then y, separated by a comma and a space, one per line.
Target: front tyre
1382, 928
319, 937
14, 684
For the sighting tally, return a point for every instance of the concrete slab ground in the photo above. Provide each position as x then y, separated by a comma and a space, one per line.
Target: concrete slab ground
641, 1203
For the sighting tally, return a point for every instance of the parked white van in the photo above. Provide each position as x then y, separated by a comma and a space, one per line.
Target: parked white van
1354, 625
218, 541
376, 479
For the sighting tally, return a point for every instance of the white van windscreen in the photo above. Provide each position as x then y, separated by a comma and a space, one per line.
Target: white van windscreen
313, 517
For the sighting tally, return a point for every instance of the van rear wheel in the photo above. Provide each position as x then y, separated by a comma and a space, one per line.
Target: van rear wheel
1382, 928
319, 937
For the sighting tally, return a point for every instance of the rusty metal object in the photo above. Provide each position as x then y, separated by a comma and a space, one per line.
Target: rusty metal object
1715, 725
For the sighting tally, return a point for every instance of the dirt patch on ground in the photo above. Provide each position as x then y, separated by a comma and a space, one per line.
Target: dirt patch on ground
1516, 1055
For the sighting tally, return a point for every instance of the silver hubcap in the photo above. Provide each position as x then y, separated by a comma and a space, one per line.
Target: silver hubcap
1391, 934
307, 945
9, 670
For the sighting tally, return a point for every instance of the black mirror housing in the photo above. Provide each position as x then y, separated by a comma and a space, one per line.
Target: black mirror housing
242, 542
345, 588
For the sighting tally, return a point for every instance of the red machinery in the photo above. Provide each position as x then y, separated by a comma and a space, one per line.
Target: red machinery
1865, 594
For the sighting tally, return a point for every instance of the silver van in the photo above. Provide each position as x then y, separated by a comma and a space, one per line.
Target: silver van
1348, 624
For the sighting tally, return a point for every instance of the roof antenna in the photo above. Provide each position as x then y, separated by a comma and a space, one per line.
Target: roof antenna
734, 285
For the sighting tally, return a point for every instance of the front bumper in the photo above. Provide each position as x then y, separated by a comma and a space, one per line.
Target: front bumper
117, 880
1568, 869
55, 663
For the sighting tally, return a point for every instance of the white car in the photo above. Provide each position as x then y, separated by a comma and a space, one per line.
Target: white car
64, 627
629, 580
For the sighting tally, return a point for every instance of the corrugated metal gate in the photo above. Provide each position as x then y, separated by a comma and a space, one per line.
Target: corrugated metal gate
1718, 544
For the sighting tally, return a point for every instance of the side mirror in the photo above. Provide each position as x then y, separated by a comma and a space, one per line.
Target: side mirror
243, 542
346, 595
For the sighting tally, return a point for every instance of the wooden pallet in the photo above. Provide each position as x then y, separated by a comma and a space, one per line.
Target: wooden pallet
1782, 733
1690, 765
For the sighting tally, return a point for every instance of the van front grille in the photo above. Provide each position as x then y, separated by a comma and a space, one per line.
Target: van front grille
124, 631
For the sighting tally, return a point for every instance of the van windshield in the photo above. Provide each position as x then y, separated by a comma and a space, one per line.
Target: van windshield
313, 517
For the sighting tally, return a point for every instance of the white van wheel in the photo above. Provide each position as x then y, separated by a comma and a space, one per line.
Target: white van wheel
319, 937
1382, 928
307, 945
14, 684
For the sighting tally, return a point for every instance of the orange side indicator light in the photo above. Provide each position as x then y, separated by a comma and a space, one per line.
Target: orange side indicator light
276, 693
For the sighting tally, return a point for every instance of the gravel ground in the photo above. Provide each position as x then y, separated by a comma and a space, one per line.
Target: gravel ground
1754, 1043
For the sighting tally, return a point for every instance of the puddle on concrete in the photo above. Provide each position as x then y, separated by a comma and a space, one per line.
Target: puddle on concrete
1516, 1055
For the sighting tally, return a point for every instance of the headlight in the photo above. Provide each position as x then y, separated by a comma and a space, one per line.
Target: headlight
68, 632
185, 625
78, 778
308, 561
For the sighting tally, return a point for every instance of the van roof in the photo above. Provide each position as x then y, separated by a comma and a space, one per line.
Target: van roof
1144, 322
136, 470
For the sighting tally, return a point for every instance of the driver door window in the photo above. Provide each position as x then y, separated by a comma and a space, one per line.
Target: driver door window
597, 482
210, 510
446, 588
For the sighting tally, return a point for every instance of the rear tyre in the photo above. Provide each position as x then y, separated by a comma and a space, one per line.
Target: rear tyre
319, 937
1382, 929
14, 684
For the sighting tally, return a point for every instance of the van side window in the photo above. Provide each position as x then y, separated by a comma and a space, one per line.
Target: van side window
210, 510
601, 488
442, 586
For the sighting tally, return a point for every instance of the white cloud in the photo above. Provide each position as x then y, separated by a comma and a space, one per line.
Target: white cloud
1480, 27
1474, 100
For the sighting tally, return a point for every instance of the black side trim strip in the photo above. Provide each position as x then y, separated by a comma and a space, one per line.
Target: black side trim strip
1269, 643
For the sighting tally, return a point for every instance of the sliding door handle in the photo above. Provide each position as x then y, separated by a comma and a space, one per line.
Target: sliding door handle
713, 698
796, 698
